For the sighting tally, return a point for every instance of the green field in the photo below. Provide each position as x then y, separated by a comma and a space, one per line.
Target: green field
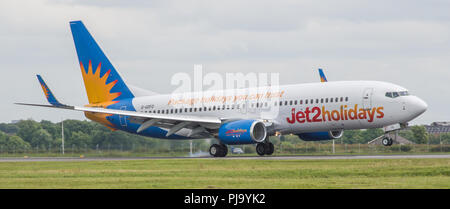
231, 173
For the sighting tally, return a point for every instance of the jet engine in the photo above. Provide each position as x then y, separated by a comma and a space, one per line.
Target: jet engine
242, 132
325, 135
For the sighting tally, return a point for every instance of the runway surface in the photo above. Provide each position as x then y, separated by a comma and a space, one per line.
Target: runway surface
290, 157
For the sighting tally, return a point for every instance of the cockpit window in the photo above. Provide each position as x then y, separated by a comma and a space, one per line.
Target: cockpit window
403, 93
396, 94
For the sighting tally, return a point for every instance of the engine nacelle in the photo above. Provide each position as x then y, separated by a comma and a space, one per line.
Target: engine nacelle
242, 132
325, 135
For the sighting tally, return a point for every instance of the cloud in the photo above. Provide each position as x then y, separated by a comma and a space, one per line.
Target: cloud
404, 42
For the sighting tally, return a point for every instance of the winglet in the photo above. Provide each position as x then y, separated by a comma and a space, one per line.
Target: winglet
48, 93
322, 76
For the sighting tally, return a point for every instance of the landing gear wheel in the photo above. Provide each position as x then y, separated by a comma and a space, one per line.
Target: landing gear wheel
214, 150
224, 150
218, 150
390, 141
269, 148
261, 149
386, 141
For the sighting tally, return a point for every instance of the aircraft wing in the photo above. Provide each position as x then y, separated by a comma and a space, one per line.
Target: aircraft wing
199, 119
196, 125
172, 122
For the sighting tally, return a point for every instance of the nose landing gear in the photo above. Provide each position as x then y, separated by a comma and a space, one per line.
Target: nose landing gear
390, 130
387, 141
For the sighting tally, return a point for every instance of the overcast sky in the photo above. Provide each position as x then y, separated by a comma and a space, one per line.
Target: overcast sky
405, 42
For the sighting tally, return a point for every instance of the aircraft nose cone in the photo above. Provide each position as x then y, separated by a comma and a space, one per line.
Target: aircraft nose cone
418, 106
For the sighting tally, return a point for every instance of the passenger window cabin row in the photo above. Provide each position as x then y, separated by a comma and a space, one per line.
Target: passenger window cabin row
252, 105
313, 101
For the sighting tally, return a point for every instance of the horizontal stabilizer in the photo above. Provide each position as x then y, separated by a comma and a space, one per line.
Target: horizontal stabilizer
48, 93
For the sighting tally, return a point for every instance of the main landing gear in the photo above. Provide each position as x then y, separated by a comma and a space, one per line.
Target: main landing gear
218, 150
262, 148
265, 148
221, 150
387, 141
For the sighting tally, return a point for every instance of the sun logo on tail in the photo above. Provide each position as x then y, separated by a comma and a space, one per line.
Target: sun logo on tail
96, 87
99, 93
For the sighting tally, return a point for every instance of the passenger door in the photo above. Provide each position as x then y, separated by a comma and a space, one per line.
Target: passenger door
367, 98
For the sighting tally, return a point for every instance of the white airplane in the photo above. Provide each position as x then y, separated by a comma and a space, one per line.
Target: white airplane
313, 111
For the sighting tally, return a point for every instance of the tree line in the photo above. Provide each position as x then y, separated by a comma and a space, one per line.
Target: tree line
78, 134
27, 134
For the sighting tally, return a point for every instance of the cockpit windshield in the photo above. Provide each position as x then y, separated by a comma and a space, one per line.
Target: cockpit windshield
403, 93
396, 94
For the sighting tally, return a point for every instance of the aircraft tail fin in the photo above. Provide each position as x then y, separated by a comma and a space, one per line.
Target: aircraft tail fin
101, 80
322, 76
